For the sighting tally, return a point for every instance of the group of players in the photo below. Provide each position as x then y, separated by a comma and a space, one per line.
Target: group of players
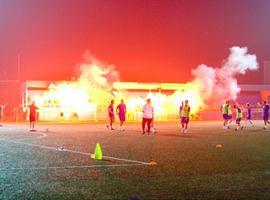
226, 110
184, 114
147, 116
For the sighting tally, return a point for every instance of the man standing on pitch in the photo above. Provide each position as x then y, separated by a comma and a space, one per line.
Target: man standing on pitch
111, 115
238, 116
148, 114
229, 113
224, 112
180, 113
121, 111
248, 115
185, 117
2, 107
266, 114
32, 115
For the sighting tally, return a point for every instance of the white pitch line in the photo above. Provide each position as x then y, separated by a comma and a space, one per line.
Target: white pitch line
28, 144
72, 151
71, 167
42, 135
126, 160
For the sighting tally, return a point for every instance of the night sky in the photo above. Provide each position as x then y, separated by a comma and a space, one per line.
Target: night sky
147, 41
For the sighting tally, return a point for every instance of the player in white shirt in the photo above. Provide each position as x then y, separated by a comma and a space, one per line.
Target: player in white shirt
148, 114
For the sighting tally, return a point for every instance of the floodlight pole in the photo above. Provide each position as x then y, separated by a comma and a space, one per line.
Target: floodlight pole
18, 80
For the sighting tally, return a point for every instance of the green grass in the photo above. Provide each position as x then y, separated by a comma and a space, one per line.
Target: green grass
188, 166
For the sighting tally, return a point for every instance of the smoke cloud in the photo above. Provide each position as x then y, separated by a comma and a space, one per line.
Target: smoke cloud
97, 73
217, 84
92, 90
96, 78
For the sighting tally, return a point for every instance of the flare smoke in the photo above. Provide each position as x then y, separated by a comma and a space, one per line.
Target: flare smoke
217, 84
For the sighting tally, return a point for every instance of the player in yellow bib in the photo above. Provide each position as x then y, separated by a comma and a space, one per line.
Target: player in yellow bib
184, 113
224, 112
229, 113
239, 116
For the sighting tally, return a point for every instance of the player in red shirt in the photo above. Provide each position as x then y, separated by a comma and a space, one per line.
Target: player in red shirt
32, 115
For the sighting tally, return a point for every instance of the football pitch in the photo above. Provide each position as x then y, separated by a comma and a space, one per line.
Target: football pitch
207, 163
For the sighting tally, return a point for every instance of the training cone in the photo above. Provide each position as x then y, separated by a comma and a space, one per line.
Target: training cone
98, 152
152, 162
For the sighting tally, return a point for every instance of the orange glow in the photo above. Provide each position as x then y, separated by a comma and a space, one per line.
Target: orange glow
81, 98
66, 98
90, 94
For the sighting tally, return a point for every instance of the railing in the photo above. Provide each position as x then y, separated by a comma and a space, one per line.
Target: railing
18, 116
257, 114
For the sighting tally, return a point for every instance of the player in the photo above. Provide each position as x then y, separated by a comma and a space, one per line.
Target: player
2, 107
239, 116
248, 115
185, 117
224, 112
32, 115
121, 111
111, 115
148, 114
265, 114
229, 113
180, 113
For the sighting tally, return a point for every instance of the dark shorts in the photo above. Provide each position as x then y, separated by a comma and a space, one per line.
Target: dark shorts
225, 116
122, 118
265, 117
248, 117
185, 120
32, 118
229, 117
111, 117
238, 120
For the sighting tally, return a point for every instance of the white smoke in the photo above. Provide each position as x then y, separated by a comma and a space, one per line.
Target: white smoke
96, 79
217, 84
92, 88
97, 73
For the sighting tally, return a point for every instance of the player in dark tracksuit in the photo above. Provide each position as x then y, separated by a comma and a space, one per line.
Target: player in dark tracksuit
121, 111
266, 114
111, 115
248, 115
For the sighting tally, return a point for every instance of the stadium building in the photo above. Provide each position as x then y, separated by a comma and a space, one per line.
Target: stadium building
51, 111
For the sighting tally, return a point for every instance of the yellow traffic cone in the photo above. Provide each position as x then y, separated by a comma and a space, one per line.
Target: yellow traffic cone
98, 152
